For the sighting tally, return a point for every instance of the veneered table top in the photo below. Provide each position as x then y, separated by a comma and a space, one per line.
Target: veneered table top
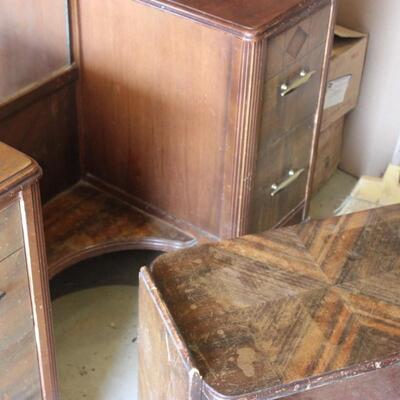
246, 16
291, 304
15, 167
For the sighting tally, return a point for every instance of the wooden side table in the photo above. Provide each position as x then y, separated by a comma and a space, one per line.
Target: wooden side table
205, 112
309, 312
27, 360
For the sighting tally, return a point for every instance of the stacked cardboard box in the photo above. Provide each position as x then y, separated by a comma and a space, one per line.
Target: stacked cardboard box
344, 82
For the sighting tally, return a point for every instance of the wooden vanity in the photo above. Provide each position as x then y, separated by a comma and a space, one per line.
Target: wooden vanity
171, 122
206, 111
27, 361
308, 312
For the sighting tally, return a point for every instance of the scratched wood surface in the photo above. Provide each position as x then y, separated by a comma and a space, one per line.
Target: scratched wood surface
290, 309
86, 221
245, 17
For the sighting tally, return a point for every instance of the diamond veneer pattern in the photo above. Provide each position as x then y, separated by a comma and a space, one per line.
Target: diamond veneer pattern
290, 304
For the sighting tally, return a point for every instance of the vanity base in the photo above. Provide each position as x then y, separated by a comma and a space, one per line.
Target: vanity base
86, 221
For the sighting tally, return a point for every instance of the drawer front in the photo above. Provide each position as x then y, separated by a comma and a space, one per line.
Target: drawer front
19, 378
11, 238
282, 113
280, 178
293, 44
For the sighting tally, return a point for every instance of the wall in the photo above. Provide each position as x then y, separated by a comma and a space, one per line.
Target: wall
33, 42
41, 121
372, 129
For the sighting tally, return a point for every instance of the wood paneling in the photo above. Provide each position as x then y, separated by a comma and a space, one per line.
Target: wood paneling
32, 93
33, 42
85, 221
290, 310
46, 130
154, 106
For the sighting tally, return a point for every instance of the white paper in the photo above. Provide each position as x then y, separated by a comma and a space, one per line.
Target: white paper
345, 33
336, 91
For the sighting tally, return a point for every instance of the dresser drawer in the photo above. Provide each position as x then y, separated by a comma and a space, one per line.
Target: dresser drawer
19, 378
11, 238
293, 44
284, 112
281, 178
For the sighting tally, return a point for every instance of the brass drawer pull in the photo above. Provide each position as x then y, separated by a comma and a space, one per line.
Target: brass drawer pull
303, 78
293, 176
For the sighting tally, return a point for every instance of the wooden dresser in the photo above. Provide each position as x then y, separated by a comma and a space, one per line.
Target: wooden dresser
27, 363
177, 121
204, 112
310, 312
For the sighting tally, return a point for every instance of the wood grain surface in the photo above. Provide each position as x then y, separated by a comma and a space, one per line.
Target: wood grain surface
174, 120
160, 344
38, 276
19, 377
12, 163
85, 221
247, 18
155, 110
17, 170
291, 309
46, 130
11, 238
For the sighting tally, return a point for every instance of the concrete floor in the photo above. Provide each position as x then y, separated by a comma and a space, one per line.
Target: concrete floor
95, 315
95, 332
95, 323
332, 195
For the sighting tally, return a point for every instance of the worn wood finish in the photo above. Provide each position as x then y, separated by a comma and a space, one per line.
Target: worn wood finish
10, 231
291, 310
376, 385
19, 378
282, 114
17, 171
86, 221
294, 218
319, 111
157, 138
290, 152
26, 349
46, 130
187, 117
244, 18
39, 287
33, 42
161, 344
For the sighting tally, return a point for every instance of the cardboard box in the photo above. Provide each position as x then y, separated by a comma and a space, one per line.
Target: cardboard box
344, 82
329, 153
345, 73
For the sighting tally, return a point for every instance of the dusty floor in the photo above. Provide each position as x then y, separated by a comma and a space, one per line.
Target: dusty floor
95, 324
95, 315
332, 195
